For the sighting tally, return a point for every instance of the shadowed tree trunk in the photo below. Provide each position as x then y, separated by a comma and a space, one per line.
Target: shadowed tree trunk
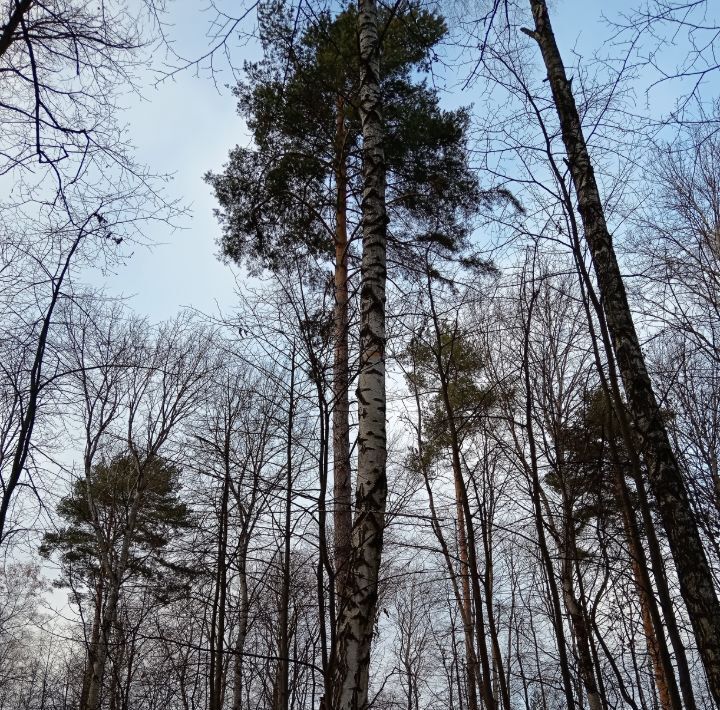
576, 610
467, 548
282, 694
94, 642
695, 577
663, 670
472, 667
217, 625
243, 614
534, 476
461, 589
115, 578
341, 409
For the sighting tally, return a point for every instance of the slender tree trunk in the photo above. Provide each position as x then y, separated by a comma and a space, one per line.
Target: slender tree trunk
26, 425
537, 509
115, 685
501, 683
243, 615
577, 617
574, 605
98, 668
666, 604
115, 577
462, 590
357, 611
472, 666
217, 624
651, 640
694, 574
324, 565
131, 653
665, 673
94, 642
342, 491
283, 676
466, 536
481, 636
592, 643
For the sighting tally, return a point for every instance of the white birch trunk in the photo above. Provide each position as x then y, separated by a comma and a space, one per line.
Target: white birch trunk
666, 479
357, 609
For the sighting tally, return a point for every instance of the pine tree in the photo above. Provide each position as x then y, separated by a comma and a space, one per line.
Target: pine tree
113, 515
296, 194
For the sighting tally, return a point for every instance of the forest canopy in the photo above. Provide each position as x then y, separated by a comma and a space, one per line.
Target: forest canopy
451, 437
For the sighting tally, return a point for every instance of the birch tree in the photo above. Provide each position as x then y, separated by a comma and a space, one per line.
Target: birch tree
696, 580
356, 615
302, 105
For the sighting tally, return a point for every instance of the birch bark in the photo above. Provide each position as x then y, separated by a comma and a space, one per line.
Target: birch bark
696, 582
357, 610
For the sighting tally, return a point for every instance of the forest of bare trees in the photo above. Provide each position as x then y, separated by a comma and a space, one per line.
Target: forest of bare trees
455, 442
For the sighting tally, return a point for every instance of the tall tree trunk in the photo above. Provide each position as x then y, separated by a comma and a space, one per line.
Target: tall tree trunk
663, 590
324, 565
696, 582
472, 667
217, 624
651, 641
283, 674
537, 509
109, 615
461, 590
577, 615
115, 685
466, 535
501, 682
94, 642
357, 611
342, 491
663, 670
486, 691
243, 616
130, 670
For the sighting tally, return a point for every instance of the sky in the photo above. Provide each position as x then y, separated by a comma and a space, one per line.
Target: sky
182, 126
186, 125
185, 128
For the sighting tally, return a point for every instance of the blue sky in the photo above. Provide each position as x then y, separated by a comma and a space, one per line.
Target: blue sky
183, 126
186, 125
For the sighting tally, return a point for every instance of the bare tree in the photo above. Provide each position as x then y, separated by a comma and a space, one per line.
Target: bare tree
135, 388
696, 579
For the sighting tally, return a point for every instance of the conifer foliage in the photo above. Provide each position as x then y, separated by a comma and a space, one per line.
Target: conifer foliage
453, 440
